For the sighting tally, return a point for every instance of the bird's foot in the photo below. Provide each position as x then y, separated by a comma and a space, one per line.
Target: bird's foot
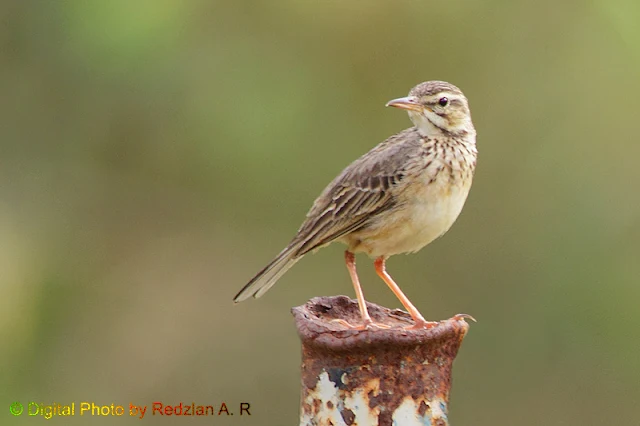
421, 325
459, 317
366, 325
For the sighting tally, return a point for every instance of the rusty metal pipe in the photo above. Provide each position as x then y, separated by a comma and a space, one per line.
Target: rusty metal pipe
380, 377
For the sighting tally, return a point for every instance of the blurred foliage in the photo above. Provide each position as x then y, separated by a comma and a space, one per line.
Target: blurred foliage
155, 154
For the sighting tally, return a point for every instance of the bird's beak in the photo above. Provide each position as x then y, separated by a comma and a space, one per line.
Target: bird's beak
408, 102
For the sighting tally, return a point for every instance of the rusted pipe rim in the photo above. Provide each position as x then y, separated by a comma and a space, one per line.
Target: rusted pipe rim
314, 321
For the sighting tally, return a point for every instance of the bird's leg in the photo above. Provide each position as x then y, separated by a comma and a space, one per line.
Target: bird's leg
350, 260
420, 322
367, 323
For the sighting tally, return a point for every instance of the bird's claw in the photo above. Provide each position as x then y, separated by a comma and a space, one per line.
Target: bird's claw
463, 317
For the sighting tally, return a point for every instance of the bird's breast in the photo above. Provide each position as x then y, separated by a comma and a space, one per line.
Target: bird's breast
426, 208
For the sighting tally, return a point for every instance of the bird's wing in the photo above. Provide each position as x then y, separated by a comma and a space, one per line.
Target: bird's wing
363, 190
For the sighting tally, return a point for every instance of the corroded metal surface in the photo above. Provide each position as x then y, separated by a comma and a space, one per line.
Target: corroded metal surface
374, 377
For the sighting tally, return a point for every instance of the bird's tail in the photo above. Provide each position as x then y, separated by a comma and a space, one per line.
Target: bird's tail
267, 277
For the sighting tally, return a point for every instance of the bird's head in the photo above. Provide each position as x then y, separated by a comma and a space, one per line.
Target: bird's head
437, 107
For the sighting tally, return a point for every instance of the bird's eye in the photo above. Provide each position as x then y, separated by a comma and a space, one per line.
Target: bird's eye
443, 102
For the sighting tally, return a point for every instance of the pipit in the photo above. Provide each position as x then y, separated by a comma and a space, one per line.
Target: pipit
397, 198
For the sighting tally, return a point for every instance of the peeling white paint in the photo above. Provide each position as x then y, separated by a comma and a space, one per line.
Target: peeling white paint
358, 402
408, 413
439, 410
326, 391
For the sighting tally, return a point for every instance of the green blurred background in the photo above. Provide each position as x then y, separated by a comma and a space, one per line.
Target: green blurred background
154, 155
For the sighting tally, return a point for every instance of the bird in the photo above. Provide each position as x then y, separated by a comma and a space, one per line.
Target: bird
397, 198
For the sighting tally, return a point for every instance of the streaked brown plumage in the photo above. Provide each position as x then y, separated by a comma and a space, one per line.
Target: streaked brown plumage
397, 198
